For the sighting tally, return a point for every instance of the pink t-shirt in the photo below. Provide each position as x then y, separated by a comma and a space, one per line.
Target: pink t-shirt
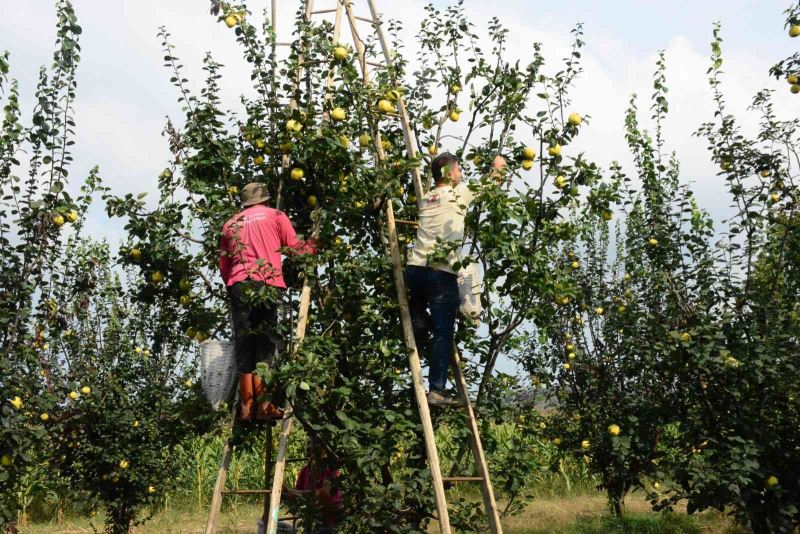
250, 246
326, 473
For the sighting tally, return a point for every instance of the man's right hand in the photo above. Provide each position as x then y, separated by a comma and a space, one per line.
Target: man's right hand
499, 167
315, 242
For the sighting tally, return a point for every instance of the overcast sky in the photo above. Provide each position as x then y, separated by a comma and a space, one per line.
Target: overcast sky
124, 92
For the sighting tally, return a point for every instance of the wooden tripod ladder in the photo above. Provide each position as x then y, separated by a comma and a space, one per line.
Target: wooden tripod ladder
272, 504
345, 8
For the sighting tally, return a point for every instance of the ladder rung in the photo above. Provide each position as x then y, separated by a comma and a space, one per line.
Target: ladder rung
410, 223
371, 21
374, 64
283, 44
462, 479
246, 492
321, 11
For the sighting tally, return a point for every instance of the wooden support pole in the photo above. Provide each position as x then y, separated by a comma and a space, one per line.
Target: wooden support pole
477, 450
268, 445
286, 425
271, 520
219, 486
408, 133
416, 378
405, 315
285, 161
280, 470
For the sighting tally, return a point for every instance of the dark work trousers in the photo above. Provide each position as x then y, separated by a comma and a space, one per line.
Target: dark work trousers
437, 291
254, 314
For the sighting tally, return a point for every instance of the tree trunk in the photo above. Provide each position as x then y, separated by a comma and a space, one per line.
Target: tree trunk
758, 522
616, 500
619, 507
119, 521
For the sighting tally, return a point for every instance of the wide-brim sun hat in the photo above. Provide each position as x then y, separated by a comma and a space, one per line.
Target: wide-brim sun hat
254, 193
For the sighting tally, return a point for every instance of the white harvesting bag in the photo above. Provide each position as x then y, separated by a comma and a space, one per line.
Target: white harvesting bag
217, 370
470, 287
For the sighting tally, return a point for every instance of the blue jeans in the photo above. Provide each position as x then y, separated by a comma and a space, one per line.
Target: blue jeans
437, 291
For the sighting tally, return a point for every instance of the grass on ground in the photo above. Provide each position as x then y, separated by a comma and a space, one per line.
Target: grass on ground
589, 515
554, 515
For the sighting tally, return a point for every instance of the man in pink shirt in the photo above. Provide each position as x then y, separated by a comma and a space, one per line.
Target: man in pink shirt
250, 265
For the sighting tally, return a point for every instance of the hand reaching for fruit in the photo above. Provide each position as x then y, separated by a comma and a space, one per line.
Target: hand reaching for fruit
498, 167
324, 494
316, 242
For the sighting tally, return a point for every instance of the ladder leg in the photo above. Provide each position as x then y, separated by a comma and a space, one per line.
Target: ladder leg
286, 424
268, 446
219, 486
405, 315
285, 160
414, 363
477, 450
408, 133
416, 377
277, 479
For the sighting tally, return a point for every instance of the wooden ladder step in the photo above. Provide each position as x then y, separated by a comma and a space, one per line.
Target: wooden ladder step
462, 479
367, 19
246, 492
321, 11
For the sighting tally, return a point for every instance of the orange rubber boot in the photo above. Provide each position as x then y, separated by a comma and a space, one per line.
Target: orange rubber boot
247, 405
265, 410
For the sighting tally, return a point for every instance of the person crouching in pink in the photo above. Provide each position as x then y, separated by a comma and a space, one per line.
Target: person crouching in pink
319, 476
